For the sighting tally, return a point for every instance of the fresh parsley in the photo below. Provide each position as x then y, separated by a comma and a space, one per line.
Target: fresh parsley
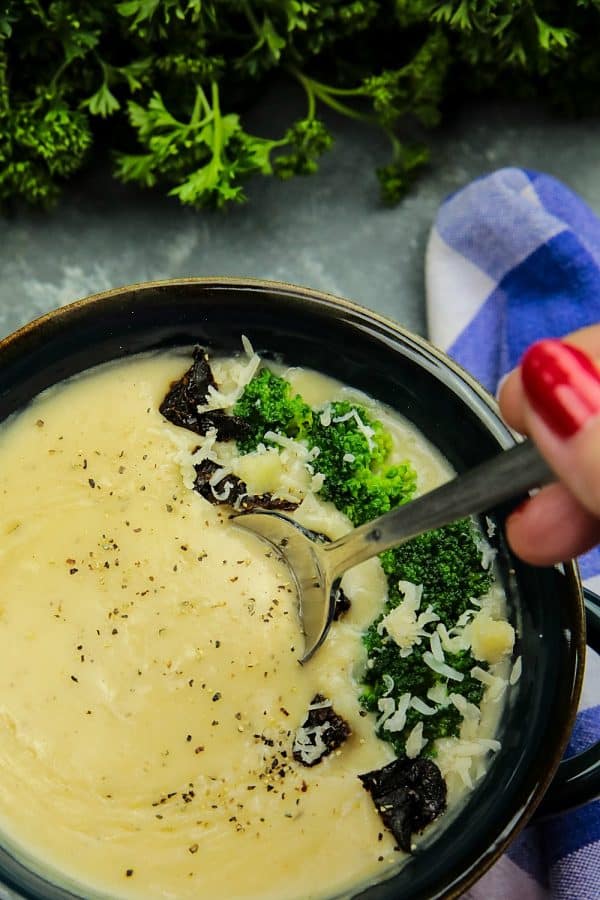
163, 85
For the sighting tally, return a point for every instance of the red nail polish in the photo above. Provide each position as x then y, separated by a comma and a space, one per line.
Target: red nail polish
562, 384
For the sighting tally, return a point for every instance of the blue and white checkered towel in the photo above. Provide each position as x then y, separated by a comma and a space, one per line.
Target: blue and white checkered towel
513, 257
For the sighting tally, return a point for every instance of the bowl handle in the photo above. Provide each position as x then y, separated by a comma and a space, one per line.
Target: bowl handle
577, 779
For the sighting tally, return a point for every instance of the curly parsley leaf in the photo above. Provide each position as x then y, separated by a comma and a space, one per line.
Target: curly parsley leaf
203, 161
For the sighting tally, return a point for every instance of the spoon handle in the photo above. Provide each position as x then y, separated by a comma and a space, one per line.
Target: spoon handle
509, 474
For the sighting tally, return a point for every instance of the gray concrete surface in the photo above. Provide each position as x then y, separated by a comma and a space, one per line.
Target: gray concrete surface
328, 231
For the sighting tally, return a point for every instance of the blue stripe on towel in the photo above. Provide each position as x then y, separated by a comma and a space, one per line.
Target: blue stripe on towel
589, 564
570, 832
554, 291
585, 731
570, 209
481, 221
475, 349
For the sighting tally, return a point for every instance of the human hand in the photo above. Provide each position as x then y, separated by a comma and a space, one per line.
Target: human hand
554, 397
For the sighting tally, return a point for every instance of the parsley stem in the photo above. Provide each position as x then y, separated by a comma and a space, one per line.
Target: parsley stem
337, 91
200, 100
315, 90
217, 121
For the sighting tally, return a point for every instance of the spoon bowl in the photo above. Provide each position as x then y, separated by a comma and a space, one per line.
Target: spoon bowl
305, 553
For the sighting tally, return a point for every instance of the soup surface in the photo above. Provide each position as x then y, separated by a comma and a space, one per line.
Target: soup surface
150, 688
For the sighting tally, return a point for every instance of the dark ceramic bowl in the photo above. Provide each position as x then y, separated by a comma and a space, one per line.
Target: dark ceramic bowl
305, 327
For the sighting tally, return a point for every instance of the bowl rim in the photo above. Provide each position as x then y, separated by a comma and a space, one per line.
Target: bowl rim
505, 436
259, 285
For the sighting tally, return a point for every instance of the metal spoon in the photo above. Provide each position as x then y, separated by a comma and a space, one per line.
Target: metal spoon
317, 566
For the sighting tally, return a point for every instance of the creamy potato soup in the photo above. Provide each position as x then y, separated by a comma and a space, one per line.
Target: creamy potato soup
154, 739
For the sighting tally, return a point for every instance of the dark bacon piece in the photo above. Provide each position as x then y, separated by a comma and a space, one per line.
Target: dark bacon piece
181, 403
184, 396
342, 604
230, 487
408, 794
228, 428
266, 501
232, 490
322, 732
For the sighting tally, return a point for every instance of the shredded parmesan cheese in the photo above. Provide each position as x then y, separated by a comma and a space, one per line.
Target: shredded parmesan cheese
422, 707
389, 684
397, 721
442, 668
219, 475
460, 757
403, 623
186, 459
438, 694
455, 643
281, 440
386, 706
214, 480
309, 743
317, 481
216, 399
488, 554
516, 670
466, 709
436, 647
415, 741
325, 417
490, 526
248, 348
320, 704
495, 685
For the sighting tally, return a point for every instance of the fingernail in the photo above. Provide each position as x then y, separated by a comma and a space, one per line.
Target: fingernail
562, 384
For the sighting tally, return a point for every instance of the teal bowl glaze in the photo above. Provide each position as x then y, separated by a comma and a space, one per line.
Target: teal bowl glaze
359, 347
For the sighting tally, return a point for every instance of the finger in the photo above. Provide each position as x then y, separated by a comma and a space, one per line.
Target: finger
561, 387
510, 394
511, 400
587, 339
551, 527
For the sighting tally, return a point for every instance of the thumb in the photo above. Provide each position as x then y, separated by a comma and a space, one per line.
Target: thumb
562, 413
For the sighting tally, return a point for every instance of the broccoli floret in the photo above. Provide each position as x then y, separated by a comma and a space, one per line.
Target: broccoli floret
367, 494
268, 404
349, 431
411, 676
353, 449
447, 562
